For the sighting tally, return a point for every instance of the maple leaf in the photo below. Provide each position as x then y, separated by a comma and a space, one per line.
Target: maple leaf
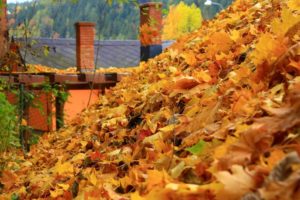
96, 156
221, 150
268, 48
185, 83
8, 179
234, 35
250, 143
156, 179
62, 168
143, 134
280, 26
78, 157
93, 178
56, 193
240, 179
294, 4
197, 148
190, 59
221, 41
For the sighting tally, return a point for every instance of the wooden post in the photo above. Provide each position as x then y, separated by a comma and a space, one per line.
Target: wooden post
3, 30
150, 30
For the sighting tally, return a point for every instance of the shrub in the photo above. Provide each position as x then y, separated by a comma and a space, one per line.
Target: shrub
8, 124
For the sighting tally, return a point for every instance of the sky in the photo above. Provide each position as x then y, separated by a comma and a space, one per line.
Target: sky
19, 1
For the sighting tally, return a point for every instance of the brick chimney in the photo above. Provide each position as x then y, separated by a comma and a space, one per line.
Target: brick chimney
150, 29
3, 29
85, 34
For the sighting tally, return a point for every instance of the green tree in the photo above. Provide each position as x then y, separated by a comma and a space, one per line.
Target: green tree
181, 19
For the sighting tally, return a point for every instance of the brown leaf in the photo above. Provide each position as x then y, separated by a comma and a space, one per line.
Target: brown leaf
8, 179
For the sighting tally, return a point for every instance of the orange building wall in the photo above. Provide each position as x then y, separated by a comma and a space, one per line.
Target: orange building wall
42, 117
78, 101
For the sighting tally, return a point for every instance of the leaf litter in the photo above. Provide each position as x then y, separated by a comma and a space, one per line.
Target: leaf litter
216, 116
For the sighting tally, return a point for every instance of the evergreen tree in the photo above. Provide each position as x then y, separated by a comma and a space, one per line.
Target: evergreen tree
115, 21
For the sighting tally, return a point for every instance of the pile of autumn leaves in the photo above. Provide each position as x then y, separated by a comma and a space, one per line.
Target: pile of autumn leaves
34, 68
214, 117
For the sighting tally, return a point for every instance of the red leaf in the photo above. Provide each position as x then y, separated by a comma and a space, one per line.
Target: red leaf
143, 134
96, 156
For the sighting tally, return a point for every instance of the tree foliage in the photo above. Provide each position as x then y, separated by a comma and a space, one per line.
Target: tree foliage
181, 19
114, 19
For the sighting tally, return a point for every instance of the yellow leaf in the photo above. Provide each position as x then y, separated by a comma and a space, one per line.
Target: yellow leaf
27, 164
190, 59
161, 75
192, 107
168, 128
173, 53
83, 143
155, 178
221, 56
212, 186
294, 4
63, 186
192, 111
204, 76
22, 190
61, 168
268, 48
280, 26
24, 122
152, 125
240, 128
173, 70
93, 179
56, 193
78, 157
221, 150
136, 196
234, 35
72, 144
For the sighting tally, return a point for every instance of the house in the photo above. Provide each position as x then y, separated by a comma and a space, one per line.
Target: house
61, 53
84, 53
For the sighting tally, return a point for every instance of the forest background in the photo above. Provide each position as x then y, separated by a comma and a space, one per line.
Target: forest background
114, 22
